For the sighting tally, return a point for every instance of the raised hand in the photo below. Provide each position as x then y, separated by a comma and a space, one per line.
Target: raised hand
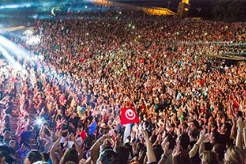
72, 137
240, 124
176, 152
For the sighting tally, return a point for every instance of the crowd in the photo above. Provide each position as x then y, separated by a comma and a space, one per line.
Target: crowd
74, 83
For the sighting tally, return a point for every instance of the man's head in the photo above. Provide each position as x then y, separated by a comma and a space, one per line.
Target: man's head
226, 128
6, 135
193, 133
24, 146
29, 128
169, 139
32, 157
108, 156
123, 154
12, 144
3, 156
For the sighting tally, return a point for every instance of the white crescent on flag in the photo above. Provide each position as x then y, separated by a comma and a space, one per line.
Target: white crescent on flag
52, 11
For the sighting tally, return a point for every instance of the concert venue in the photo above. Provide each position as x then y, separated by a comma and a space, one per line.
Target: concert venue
122, 82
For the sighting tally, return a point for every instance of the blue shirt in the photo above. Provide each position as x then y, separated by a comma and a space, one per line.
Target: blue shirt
92, 128
25, 136
22, 153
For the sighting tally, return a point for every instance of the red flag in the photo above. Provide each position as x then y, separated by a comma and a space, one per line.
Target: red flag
128, 116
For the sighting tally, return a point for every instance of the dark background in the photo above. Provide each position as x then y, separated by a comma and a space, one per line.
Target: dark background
220, 10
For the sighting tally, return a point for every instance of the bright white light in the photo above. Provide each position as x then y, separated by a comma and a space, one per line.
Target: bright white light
14, 6
16, 65
86, 7
41, 57
39, 121
13, 48
28, 32
33, 40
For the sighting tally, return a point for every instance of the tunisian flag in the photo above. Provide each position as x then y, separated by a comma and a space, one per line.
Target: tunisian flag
128, 116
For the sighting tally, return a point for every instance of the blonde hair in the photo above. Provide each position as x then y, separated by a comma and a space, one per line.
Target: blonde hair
235, 156
210, 157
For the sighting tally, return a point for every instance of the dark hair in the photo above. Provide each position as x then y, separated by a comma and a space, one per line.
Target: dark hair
208, 146
153, 139
171, 141
3, 154
34, 156
29, 128
158, 152
70, 155
184, 140
6, 118
185, 125
46, 157
196, 124
129, 147
139, 146
220, 150
109, 157
216, 136
25, 144
228, 128
194, 132
123, 154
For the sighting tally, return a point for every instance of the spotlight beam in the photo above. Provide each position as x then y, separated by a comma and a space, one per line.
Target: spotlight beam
12, 47
15, 64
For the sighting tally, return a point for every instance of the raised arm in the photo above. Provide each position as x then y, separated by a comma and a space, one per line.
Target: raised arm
234, 128
95, 148
78, 148
244, 133
239, 138
53, 156
150, 153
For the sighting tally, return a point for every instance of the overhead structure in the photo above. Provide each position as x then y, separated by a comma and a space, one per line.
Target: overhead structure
183, 9
3, 30
148, 10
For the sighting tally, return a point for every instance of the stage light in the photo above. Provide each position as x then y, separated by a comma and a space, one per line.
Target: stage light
15, 64
13, 47
39, 121
86, 7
